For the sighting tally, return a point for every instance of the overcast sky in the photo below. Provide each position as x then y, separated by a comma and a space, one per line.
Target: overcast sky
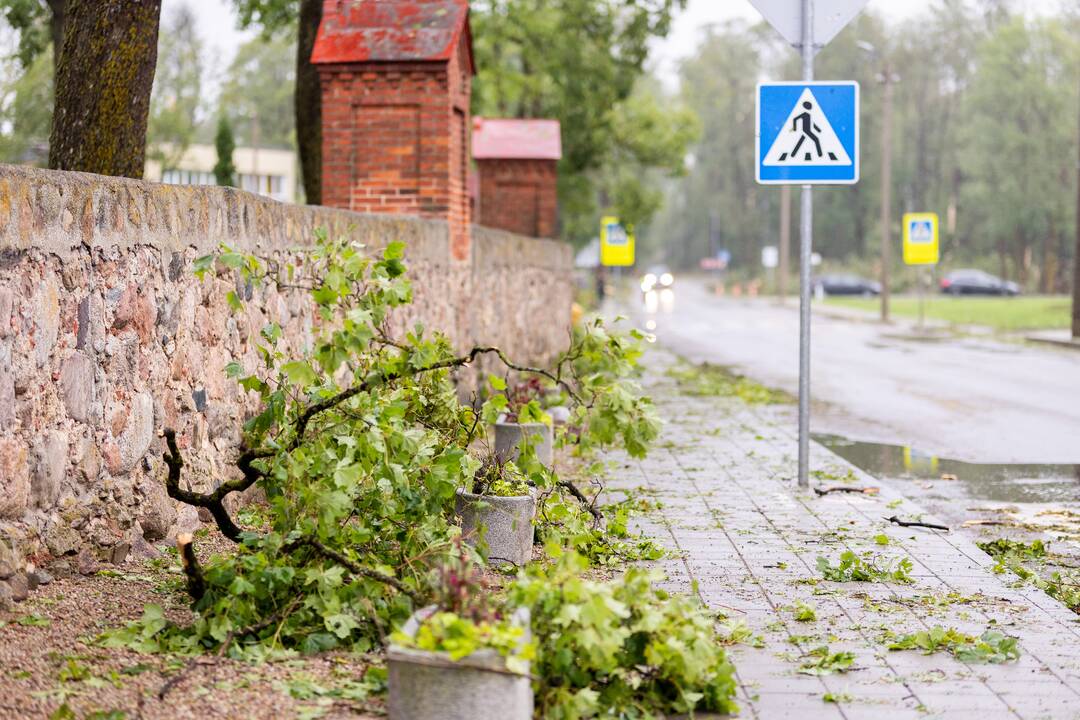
217, 24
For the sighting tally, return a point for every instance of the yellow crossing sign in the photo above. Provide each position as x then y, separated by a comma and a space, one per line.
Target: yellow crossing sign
921, 239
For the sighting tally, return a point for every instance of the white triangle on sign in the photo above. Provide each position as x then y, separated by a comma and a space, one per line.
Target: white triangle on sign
807, 138
830, 17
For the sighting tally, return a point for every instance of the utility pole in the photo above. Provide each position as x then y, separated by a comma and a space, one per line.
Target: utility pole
806, 241
886, 185
785, 240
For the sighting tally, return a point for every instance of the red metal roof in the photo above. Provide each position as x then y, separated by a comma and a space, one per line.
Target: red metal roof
391, 30
505, 139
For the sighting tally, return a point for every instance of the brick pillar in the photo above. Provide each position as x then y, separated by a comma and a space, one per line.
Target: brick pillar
396, 81
517, 162
519, 196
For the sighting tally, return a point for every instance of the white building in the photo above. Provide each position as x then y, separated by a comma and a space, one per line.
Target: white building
265, 171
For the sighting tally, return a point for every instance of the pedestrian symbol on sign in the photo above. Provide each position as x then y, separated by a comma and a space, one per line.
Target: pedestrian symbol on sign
807, 138
922, 231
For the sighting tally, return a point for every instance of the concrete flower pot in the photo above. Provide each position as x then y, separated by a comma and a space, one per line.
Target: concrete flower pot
430, 686
507, 524
509, 436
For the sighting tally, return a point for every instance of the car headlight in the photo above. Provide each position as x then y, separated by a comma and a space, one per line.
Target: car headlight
648, 282
666, 279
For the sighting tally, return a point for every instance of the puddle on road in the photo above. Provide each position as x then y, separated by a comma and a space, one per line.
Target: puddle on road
1005, 483
990, 498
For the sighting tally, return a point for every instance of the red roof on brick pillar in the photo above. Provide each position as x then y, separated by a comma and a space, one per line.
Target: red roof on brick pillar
392, 31
505, 139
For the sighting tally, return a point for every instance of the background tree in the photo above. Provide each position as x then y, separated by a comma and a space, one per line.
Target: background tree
301, 17
103, 84
26, 100
985, 134
224, 143
177, 97
579, 61
258, 91
38, 23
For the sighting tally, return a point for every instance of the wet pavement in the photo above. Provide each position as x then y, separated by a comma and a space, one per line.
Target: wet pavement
975, 399
749, 540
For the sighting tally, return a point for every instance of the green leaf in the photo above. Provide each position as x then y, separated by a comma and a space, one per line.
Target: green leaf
299, 373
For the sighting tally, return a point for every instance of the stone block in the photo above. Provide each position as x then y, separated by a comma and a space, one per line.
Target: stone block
50, 462
20, 586
77, 385
14, 477
503, 524
134, 440
430, 686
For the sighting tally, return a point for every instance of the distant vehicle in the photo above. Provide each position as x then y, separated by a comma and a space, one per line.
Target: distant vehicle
976, 282
847, 285
658, 278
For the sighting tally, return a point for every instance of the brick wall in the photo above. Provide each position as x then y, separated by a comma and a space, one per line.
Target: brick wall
395, 140
106, 337
519, 196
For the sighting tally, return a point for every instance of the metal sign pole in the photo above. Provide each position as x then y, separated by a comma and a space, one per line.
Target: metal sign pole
806, 241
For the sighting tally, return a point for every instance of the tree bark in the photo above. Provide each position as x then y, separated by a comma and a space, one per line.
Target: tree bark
103, 84
1076, 256
308, 100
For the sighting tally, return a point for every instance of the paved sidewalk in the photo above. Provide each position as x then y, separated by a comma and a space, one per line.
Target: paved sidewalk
750, 540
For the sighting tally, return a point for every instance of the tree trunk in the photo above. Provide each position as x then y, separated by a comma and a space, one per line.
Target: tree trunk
103, 84
308, 100
56, 29
1076, 257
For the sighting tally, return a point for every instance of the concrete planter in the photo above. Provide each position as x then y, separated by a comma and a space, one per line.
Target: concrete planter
507, 523
429, 686
509, 435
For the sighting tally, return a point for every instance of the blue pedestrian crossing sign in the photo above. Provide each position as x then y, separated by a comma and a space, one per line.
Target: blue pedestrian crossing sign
808, 133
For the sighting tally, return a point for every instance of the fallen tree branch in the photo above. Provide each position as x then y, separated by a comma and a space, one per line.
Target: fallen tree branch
902, 523
847, 489
233, 634
354, 567
196, 582
588, 505
213, 501
323, 405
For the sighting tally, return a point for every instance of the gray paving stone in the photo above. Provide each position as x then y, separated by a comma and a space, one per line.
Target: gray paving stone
750, 538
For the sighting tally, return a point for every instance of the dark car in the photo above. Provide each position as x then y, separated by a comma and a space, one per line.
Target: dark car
847, 285
976, 282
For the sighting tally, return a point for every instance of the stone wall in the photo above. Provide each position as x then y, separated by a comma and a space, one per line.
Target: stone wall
106, 337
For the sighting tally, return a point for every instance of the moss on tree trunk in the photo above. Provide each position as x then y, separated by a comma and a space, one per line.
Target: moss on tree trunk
103, 84
309, 102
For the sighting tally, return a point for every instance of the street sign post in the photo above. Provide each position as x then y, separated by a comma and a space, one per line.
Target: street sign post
921, 248
801, 22
616, 244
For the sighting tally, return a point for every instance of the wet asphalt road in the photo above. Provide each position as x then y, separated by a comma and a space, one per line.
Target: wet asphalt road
973, 399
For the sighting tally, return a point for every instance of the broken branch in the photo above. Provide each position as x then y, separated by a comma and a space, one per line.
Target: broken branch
354, 567
846, 489
902, 523
196, 582
213, 501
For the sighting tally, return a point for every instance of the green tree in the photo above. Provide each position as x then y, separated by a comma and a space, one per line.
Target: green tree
258, 91
110, 46
1019, 141
301, 17
579, 61
224, 169
26, 102
177, 97
38, 23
